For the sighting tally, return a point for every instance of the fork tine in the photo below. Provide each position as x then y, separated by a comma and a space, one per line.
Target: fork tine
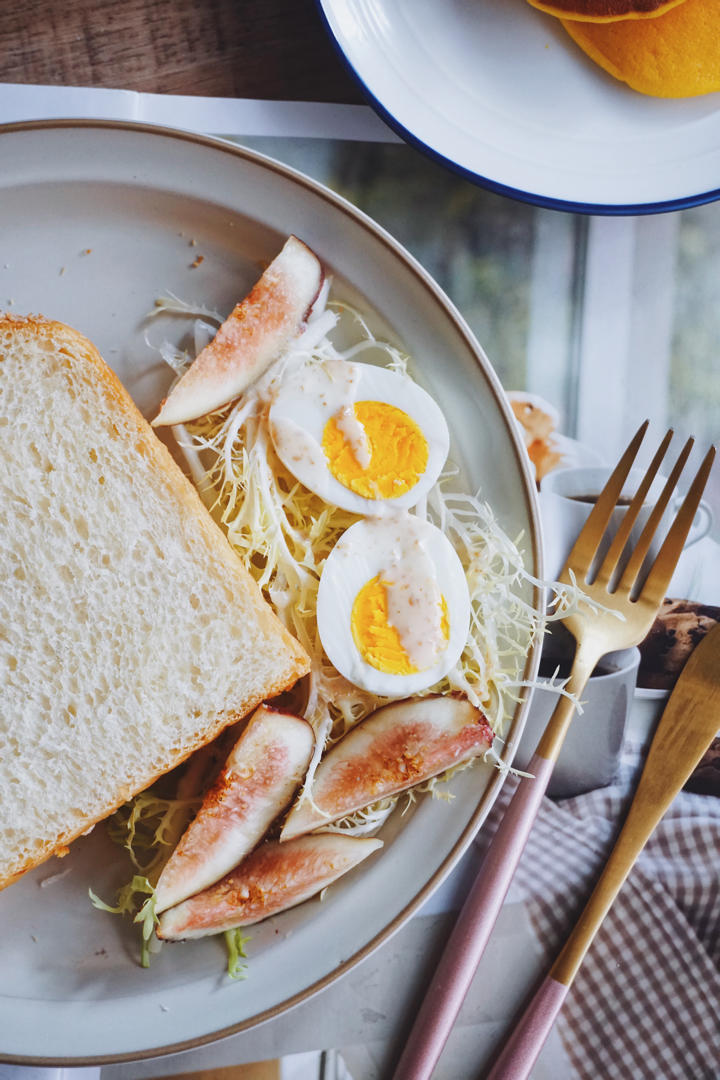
622, 536
631, 571
581, 556
662, 569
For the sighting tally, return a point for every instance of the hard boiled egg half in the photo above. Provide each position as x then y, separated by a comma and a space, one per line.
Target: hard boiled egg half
393, 608
361, 437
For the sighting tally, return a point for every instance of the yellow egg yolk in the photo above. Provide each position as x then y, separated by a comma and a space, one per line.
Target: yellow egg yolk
398, 452
377, 641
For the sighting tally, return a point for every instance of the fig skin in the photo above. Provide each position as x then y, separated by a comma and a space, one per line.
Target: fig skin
271, 879
254, 336
395, 748
259, 779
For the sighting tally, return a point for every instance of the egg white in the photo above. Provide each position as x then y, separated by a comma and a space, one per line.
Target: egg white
365, 550
307, 399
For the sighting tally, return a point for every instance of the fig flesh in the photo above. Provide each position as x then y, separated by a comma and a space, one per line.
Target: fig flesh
254, 335
395, 748
257, 782
271, 879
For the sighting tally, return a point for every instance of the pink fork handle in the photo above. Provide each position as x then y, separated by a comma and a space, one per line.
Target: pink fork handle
528, 1038
467, 942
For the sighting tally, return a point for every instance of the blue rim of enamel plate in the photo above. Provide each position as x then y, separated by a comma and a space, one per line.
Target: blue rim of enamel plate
546, 202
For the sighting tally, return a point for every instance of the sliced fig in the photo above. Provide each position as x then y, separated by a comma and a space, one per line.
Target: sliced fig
253, 336
392, 750
258, 780
271, 879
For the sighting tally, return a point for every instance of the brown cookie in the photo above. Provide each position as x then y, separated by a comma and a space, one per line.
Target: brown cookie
679, 626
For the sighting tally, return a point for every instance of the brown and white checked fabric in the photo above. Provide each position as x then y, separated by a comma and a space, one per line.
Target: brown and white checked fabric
646, 1003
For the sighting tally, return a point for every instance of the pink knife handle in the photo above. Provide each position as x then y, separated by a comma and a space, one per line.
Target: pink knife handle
467, 942
528, 1038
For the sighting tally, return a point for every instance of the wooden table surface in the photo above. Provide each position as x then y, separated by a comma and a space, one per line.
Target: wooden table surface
274, 49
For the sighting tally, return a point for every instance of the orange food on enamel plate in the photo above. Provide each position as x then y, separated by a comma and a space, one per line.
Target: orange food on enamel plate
674, 56
604, 11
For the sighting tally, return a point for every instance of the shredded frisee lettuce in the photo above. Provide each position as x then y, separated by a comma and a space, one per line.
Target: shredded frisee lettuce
142, 911
235, 942
148, 827
283, 533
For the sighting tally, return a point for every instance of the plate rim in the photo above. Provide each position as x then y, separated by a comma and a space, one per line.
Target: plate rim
489, 794
545, 202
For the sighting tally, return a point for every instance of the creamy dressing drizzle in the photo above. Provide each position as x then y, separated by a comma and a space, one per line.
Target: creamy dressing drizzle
294, 444
414, 598
355, 435
334, 385
414, 605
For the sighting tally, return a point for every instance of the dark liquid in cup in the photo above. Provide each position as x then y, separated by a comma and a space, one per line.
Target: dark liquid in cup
622, 500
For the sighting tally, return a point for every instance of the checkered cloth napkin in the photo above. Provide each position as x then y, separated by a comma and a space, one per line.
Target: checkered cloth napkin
646, 1002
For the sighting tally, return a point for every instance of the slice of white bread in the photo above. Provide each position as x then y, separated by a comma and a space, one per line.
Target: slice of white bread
130, 633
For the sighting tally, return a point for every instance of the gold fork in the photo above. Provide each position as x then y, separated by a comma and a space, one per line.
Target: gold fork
627, 604
623, 602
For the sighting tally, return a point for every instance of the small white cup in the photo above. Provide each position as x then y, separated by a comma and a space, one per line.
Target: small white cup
564, 512
590, 755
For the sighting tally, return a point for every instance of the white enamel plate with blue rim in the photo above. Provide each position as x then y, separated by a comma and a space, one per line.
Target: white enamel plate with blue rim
97, 220
499, 92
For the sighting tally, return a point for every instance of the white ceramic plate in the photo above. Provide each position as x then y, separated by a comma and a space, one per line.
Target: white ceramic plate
96, 221
498, 91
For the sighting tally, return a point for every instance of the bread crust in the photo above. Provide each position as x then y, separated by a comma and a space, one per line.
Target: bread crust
80, 351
